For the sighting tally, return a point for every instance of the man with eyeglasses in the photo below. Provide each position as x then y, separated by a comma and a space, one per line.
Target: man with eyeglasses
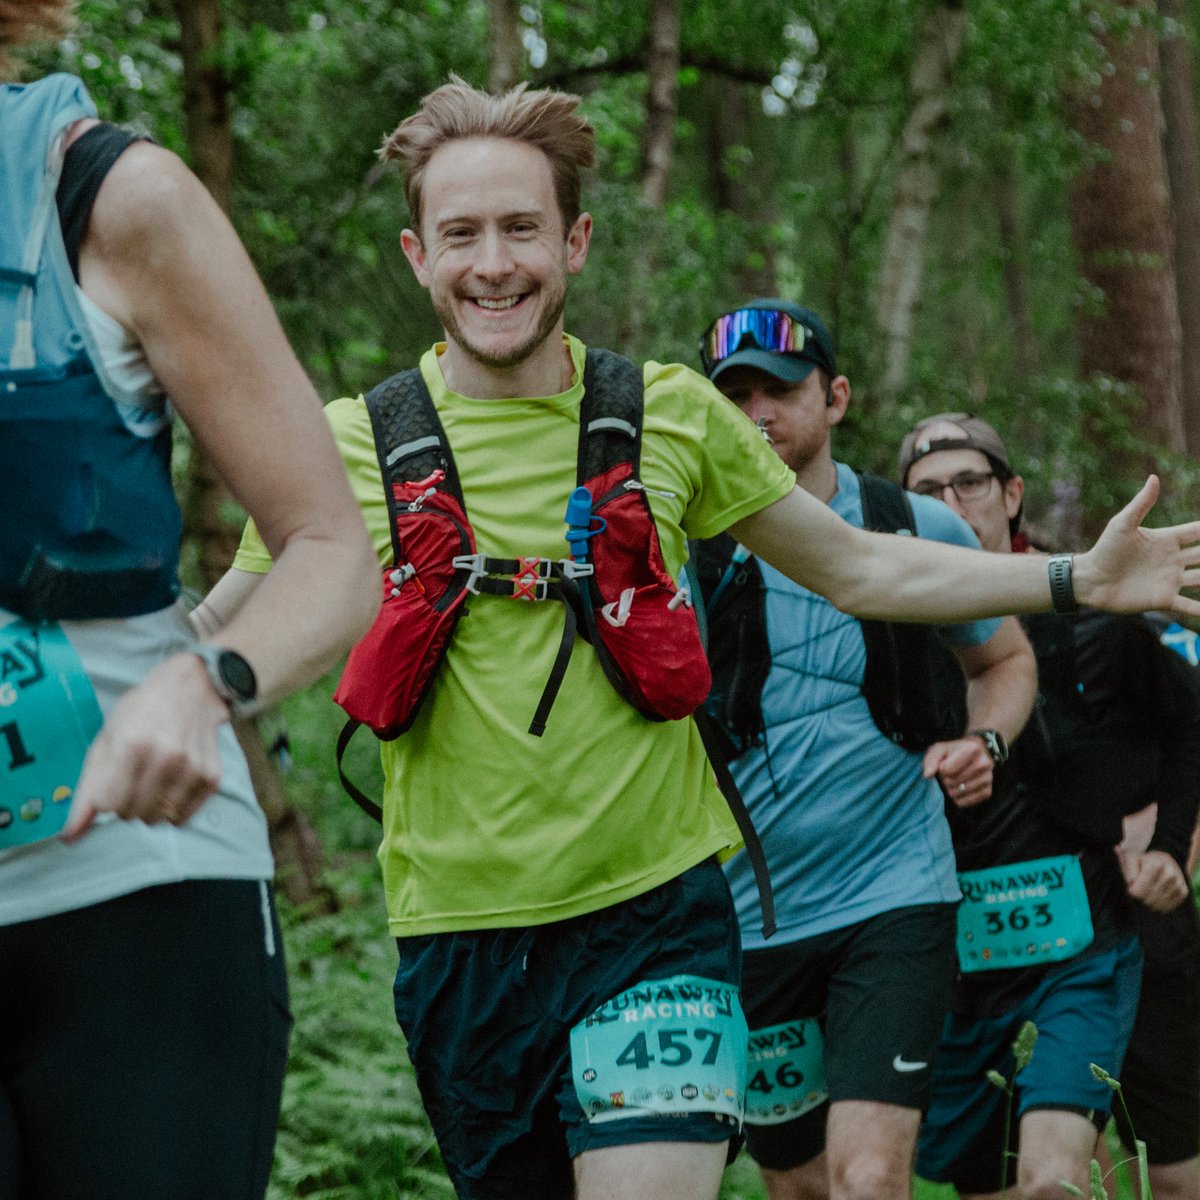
843, 786
1047, 927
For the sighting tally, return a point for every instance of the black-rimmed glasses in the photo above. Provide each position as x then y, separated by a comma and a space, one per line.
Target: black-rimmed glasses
968, 486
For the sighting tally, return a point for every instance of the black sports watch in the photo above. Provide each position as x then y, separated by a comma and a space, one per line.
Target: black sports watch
994, 743
231, 675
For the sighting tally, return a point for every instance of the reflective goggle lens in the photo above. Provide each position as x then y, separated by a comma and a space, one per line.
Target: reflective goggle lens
768, 329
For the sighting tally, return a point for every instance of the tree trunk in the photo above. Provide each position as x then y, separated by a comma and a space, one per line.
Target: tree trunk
901, 275
1120, 218
504, 45
1006, 194
662, 101
206, 96
741, 176
842, 284
1183, 172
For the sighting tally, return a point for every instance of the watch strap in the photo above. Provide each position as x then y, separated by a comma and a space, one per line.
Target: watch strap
1062, 588
994, 742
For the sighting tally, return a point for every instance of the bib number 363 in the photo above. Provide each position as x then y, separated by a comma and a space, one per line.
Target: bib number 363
48, 718
665, 1046
1022, 914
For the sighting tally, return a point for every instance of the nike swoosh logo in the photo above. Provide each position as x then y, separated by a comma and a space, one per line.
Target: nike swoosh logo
900, 1065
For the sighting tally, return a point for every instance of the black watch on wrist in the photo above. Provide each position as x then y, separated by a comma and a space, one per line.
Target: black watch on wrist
231, 675
994, 743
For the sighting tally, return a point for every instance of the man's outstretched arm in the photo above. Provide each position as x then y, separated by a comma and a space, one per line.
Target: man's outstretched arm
1130, 568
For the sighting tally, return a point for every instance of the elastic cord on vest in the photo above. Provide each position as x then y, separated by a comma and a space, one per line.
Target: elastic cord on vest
1062, 589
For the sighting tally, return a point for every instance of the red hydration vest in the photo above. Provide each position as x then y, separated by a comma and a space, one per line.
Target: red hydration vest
630, 609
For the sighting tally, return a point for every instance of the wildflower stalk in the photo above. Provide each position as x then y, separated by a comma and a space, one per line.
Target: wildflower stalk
1022, 1049
1143, 1161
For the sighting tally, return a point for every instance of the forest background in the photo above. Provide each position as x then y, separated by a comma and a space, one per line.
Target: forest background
996, 206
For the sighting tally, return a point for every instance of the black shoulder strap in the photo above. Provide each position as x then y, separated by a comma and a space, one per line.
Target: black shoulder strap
886, 507
87, 162
710, 736
610, 433
355, 793
411, 444
610, 417
912, 683
409, 438
733, 599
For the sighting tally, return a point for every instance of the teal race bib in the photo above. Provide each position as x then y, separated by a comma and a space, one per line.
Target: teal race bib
668, 1046
787, 1072
1023, 914
48, 718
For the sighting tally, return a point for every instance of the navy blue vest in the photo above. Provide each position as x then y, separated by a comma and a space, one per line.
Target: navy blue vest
89, 523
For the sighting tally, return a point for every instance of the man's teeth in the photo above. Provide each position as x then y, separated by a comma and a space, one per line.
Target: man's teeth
507, 302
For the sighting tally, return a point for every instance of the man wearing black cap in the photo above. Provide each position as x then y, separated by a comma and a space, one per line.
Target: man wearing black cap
835, 740
1047, 928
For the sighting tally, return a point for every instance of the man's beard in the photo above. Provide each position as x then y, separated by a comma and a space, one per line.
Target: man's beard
551, 312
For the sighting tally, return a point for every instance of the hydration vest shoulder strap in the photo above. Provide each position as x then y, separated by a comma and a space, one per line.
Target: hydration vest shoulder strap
409, 438
912, 683
886, 507
610, 417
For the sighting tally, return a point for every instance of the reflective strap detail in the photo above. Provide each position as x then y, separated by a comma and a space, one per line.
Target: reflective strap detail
268, 928
612, 425
411, 448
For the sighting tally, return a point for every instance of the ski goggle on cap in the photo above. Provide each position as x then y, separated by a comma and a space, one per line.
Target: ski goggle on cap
775, 336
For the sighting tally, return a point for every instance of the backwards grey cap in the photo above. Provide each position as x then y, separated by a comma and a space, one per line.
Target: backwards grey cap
975, 434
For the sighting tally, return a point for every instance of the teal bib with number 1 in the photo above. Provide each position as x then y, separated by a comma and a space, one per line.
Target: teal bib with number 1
48, 718
1022, 914
668, 1046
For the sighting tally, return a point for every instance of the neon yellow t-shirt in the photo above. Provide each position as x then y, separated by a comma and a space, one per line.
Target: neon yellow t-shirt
486, 825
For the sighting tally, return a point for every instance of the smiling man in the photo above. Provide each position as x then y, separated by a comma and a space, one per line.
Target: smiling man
569, 955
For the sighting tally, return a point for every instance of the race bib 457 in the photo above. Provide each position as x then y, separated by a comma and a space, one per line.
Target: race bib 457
666, 1046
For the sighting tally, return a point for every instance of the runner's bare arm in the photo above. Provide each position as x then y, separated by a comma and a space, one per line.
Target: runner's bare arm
1130, 568
161, 258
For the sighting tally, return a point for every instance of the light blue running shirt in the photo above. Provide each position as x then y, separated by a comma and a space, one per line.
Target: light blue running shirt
849, 826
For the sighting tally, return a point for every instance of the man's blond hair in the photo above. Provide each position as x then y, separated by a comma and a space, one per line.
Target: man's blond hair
544, 119
24, 21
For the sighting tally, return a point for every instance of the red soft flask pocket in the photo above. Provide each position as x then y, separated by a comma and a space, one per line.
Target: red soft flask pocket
649, 633
389, 672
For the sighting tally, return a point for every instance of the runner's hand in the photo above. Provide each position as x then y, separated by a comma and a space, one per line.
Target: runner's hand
964, 769
156, 758
1132, 568
1154, 878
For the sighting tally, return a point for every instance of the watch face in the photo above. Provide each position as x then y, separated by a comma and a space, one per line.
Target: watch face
997, 747
238, 675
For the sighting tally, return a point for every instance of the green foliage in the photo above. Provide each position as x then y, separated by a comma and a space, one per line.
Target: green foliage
352, 1125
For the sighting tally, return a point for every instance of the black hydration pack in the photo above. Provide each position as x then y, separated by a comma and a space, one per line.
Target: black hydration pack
912, 683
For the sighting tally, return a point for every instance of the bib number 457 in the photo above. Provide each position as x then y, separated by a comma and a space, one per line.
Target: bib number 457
675, 1048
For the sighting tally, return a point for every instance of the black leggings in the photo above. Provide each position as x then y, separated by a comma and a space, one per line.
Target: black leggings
142, 1047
